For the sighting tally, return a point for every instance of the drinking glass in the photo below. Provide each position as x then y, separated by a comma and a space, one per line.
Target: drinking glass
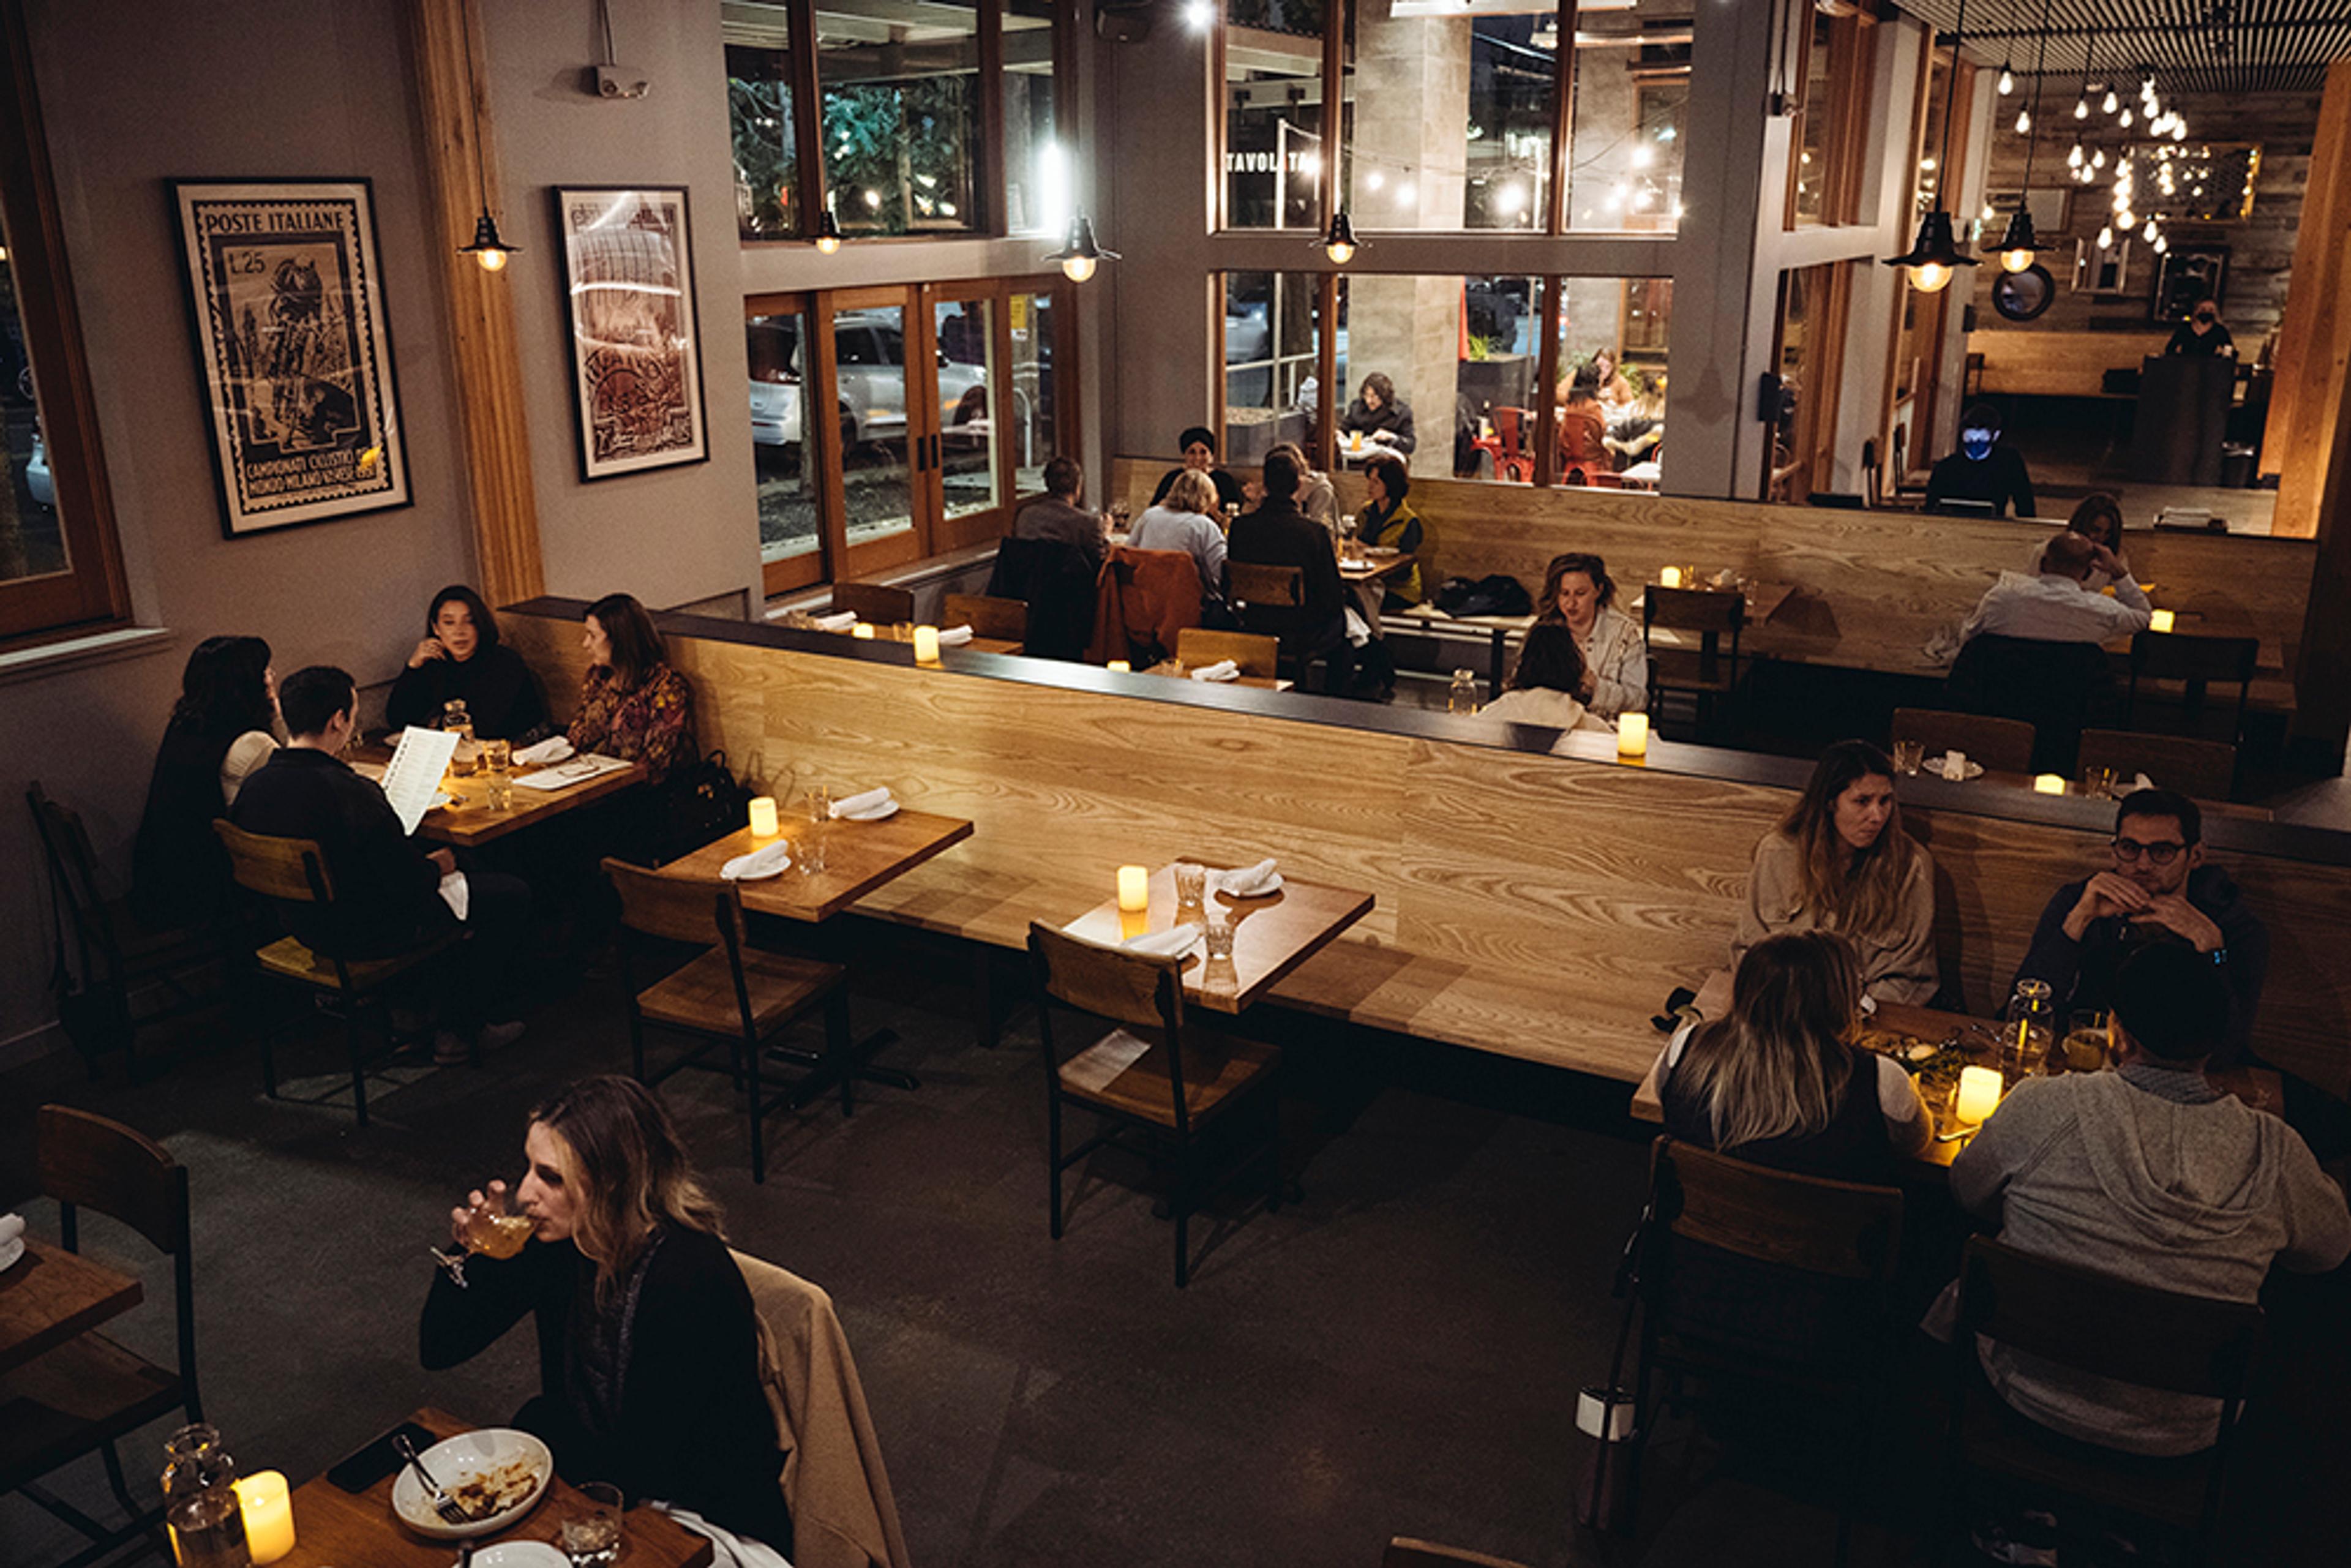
2097, 783
591, 1536
498, 771
1463, 696
1907, 756
1191, 887
1218, 974
810, 855
2086, 1039
494, 1227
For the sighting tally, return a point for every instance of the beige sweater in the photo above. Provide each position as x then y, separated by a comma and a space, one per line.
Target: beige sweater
1898, 964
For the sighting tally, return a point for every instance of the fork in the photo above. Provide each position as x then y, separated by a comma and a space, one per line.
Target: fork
451, 1511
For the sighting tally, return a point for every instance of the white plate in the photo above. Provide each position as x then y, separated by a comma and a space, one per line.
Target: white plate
1934, 765
1272, 886
520, 1555
9, 1252
882, 813
459, 1460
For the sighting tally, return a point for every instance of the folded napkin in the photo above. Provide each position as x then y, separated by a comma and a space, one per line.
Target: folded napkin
554, 748
1249, 881
954, 637
857, 805
457, 894
2141, 782
1172, 942
759, 862
1222, 670
839, 620
12, 1225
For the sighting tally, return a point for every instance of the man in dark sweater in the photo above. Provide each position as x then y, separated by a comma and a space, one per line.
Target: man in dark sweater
1981, 469
1278, 534
1198, 446
386, 885
1055, 514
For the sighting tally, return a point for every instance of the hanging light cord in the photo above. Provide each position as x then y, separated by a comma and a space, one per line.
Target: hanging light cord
474, 106
2040, 64
1951, 108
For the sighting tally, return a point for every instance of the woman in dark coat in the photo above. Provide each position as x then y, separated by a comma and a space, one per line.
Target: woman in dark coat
222, 729
461, 658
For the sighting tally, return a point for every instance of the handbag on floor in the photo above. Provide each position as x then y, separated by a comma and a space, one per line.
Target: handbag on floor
702, 801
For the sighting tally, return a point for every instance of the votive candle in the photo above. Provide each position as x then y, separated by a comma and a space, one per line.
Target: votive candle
862, 630
268, 1513
1133, 887
1118, 666
2159, 620
926, 644
1978, 1093
1671, 577
1633, 735
2049, 784
763, 817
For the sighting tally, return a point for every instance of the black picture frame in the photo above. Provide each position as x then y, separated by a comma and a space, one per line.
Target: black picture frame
2023, 296
630, 308
2185, 274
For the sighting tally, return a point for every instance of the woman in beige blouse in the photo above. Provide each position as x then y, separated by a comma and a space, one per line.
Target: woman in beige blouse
1840, 861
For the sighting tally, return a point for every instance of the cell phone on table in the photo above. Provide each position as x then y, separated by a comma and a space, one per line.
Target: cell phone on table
370, 1464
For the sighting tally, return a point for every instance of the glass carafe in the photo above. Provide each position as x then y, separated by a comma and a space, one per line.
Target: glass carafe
200, 1501
2031, 1032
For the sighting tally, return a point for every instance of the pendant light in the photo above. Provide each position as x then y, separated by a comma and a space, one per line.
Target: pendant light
1340, 245
1081, 255
2019, 243
490, 251
2081, 102
1935, 258
828, 232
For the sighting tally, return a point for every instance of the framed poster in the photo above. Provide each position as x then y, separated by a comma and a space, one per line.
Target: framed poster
2185, 274
295, 354
636, 363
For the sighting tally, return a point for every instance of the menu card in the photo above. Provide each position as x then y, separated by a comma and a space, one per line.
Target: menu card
411, 780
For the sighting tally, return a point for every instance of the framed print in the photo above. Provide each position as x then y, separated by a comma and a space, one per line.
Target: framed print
2102, 271
636, 363
2185, 274
286, 295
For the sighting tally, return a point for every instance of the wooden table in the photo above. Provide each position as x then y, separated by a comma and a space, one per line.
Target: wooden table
1375, 568
1271, 935
858, 858
2001, 779
1174, 669
904, 633
333, 1527
52, 1295
470, 821
1763, 598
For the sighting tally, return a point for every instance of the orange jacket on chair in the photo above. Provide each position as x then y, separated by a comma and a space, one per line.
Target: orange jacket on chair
1143, 597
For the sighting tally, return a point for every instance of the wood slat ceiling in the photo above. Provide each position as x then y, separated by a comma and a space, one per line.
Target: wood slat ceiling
2193, 46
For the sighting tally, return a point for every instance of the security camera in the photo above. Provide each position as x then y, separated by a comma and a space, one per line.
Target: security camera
619, 81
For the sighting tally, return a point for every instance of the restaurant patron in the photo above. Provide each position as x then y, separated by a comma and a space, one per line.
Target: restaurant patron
633, 706
461, 659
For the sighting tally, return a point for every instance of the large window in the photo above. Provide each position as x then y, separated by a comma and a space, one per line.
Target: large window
1036, 166
901, 114
1632, 94
1269, 348
1274, 141
759, 122
1828, 142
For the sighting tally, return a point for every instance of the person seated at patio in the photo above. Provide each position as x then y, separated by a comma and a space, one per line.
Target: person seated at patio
649, 1372
1183, 522
1544, 685
1378, 417
1981, 469
2057, 604
1584, 427
1198, 446
461, 659
1840, 860
1058, 514
1636, 428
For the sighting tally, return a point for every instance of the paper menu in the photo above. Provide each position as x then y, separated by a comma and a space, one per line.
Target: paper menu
411, 780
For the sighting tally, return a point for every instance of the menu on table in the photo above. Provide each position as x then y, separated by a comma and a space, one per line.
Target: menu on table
411, 780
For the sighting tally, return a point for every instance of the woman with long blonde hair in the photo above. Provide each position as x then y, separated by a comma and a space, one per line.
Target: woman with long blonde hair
1778, 1082
648, 1347
1840, 861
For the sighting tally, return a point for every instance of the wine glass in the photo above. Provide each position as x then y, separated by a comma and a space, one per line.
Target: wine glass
493, 1226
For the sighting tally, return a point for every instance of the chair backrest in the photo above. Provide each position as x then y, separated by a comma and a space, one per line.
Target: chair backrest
2204, 768
1405, 1552
90, 1162
73, 877
1692, 610
2004, 745
874, 601
1251, 583
1132, 988
677, 908
2184, 656
1256, 655
2109, 1327
1006, 620
292, 870
1510, 429
1844, 1231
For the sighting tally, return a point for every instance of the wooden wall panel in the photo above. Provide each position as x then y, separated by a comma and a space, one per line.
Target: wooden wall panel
1532, 904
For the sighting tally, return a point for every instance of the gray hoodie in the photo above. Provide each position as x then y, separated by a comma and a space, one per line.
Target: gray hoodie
2150, 1175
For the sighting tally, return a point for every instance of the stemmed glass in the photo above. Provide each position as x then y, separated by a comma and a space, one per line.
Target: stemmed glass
493, 1226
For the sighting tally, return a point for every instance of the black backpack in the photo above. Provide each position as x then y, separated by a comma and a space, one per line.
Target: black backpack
1500, 594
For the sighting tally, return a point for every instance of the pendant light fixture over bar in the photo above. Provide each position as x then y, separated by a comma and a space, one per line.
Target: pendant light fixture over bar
1935, 258
1081, 255
2019, 243
490, 251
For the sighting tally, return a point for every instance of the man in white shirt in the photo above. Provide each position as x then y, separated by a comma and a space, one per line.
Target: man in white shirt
2057, 604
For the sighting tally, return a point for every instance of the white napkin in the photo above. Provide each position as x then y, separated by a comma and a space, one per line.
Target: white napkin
1222, 670
759, 862
1249, 881
2141, 782
856, 805
12, 1225
1359, 630
1171, 943
954, 637
839, 620
554, 748
728, 1549
456, 892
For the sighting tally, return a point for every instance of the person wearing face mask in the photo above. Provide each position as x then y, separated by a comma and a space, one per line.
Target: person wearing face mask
2202, 333
1982, 469
1840, 860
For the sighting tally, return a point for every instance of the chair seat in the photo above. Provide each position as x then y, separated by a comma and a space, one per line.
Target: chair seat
61, 1406
701, 995
1688, 669
1127, 1072
289, 959
2003, 1441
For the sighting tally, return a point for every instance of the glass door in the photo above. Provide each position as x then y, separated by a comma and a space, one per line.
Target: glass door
967, 476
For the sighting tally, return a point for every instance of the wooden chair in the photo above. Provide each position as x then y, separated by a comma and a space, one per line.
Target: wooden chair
294, 870
1256, 655
89, 1392
115, 955
1703, 671
1152, 1075
730, 994
1405, 1552
1873, 480
2204, 768
1004, 620
2106, 1328
1267, 587
1814, 1261
874, 602
2003, 745
2195, 663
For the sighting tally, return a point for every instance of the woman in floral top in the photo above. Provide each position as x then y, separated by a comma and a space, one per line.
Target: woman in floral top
632, 705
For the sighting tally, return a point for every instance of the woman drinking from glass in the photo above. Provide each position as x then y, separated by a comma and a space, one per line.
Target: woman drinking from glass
461, 659
633, 706
1579, 593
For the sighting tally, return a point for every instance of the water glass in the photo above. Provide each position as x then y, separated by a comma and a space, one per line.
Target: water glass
809, 853
2086, 1041
591, 1535
497, 771
1218, 974
1463, 696
2097, 783
1191, 886
1907, 756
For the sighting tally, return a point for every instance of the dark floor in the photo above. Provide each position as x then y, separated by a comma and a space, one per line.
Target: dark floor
1398, 1353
